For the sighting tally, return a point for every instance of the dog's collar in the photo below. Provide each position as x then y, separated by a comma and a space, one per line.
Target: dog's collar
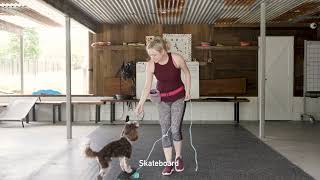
123, 136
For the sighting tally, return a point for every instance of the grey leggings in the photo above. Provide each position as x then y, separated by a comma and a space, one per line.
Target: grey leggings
171, 115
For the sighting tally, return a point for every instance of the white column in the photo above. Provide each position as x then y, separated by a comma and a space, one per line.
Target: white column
21, 64
262, 64
68, 75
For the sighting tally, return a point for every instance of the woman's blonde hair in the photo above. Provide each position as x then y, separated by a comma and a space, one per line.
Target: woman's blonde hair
158, 44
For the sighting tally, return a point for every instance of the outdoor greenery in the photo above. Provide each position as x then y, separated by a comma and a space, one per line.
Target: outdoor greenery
31, 46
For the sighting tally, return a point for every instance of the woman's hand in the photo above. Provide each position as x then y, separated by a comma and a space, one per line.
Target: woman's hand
187, 96
139, 109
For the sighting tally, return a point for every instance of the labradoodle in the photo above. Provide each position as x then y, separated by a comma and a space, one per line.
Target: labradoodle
121, 149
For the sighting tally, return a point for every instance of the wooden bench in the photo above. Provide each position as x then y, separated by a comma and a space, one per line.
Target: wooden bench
57, 105
97, 103
3, 105
234, 100
113, 106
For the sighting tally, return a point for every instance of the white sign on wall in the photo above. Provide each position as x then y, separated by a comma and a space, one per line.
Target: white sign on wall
180, 44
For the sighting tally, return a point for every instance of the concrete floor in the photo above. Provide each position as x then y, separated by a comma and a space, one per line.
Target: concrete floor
41, 149
27, 152
297, 141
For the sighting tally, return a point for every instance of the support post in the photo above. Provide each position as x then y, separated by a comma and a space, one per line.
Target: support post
68, 75
262, 64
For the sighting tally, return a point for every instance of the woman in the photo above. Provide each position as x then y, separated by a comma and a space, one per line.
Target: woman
167, 69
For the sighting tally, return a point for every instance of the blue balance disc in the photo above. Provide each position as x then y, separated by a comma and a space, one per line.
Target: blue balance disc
135, 175
126, 176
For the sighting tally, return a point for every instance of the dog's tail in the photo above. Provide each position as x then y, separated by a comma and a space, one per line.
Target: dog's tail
89, 152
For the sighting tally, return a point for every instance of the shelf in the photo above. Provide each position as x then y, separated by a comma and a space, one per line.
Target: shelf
216, 48
122, 47
223, 48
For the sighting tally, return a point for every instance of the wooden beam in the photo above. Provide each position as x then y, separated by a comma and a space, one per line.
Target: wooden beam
6, 26
32, 15
38, 17
10, 5
69, 9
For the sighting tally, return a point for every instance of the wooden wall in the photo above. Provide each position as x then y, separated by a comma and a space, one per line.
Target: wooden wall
226, 63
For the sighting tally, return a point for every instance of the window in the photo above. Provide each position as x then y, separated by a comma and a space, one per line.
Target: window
44, 60
9, 63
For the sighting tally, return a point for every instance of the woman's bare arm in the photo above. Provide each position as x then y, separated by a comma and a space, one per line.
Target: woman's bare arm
148, 82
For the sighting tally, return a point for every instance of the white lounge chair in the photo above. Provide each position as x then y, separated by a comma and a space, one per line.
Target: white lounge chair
18, 108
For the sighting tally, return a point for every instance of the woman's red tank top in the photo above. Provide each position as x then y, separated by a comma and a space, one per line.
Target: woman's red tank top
169, 79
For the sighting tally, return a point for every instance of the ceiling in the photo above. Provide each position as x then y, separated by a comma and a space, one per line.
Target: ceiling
196, 11
91, 13
19, 14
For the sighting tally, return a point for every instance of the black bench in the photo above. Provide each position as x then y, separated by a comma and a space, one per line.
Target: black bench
234, 100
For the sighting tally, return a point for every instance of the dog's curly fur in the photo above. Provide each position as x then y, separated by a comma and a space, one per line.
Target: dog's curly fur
116, 149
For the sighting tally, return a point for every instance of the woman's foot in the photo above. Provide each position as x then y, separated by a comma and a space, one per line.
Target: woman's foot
167, 170
179, 166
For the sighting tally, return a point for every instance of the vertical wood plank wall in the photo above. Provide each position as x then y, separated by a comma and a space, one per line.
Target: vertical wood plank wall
104, 63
